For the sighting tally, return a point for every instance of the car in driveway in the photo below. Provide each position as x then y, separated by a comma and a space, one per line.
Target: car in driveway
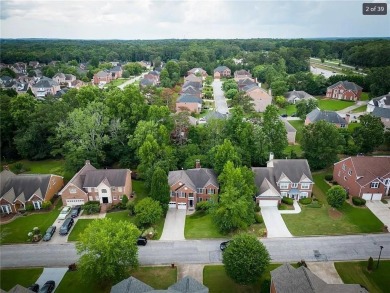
142, 241
33, 287
66, 226
64, 213
75, 212
48, 287
224, 245
49, 233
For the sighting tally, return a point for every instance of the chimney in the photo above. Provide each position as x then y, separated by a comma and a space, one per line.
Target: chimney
197, 164
87, 162
270, 163
347, 117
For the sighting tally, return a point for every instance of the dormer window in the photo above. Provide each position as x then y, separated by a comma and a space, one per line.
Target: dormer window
104, 190
283, 185
374, 184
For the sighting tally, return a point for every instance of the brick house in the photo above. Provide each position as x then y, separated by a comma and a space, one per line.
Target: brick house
242, 74
344, 90
222, 71
188, 187
290, 178
328, 116
45, 86
261, 99
198, 72
22, 189
116, 72
366, 177
91, 184
102, 77
189, 103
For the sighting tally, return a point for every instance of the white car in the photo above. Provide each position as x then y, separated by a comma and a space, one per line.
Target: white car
65, 211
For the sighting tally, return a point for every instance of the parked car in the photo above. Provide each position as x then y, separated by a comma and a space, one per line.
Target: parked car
33, 287
75, 211
66, 226
65, 211
48, 287
284, 115
142, 241
49, 233
223, 245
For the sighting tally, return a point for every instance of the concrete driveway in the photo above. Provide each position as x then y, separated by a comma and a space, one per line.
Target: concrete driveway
51, 274
326, 271
219, 97
57, 238
380, 210
174, 225
274, 223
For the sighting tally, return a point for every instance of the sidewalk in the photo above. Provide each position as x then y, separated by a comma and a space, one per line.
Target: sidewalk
297, 209
192, 270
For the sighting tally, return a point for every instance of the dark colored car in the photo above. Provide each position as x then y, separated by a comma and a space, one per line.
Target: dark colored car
48, 287
284, 115
65, 228
75, 212
223, 245
49, 233
33, 287
142, 241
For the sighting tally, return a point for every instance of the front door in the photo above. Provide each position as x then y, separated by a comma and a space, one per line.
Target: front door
191, 203
105, 199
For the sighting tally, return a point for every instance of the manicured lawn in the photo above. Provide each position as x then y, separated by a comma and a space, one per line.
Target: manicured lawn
364, 97
215, 278
360, 109
298, 125
295, 148
200, 225
24, 277
356, 273
118, 81
289, 110
75, 283
333, 105
328, 221
78, 229
156, 277
139, 189
17, 230
352, 126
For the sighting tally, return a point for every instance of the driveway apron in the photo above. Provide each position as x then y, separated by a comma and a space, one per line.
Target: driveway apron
51, 274
174, 225
326, 271
380, 210
274, 223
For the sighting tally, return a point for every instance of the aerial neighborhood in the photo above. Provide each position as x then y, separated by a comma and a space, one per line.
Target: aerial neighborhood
193, 166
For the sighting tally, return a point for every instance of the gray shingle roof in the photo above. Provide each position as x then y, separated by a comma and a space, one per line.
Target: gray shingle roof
45, 83
381, 112
194, 84
193, 178
288, 126
191, 90
329, 116
347, 85
262, 173
221, 68
294, 169
290, 96
131, 285
188, 285
112, 177
215, 115
189, 99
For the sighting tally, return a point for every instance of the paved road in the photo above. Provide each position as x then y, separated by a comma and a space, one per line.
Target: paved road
207, 251
130, 81
219, 97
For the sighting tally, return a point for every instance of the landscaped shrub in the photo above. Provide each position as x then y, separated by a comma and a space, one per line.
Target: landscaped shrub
358, 201
328, 177
124, 200
259, 219
384, 201
91, 207
370, 264
29, 207
287, 200
46, 205
302, 263
305, 201
314, 204
130, 206
257, 208
203, 206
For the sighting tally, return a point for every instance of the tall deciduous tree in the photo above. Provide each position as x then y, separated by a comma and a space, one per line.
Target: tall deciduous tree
148, 212
304, 107
245, 259
159, 189
223, 153
108, 250
336, 196
275, 131
370, 134
321, 142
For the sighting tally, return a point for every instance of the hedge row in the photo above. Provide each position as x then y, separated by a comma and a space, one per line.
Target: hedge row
358, 201
287, 200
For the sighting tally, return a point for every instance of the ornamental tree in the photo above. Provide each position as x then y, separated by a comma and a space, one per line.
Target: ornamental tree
336, 196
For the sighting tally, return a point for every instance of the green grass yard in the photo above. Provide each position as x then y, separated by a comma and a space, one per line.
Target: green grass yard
24, 277
360, 109
298, 125
333, 105
118, 81
17, 230
156, 277
364, 97
352, 126
356, 273
289, 110
200, 225
75, 283
139, 189
81, 224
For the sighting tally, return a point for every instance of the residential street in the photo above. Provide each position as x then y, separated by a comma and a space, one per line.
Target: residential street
352, 247
219, 98
130, 81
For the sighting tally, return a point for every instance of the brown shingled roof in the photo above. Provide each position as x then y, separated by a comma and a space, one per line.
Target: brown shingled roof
369, 168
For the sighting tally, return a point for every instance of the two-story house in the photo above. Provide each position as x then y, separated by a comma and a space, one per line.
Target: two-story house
344, 90
45, 86
198, 72
379, 102
222, 71
242, 74
188, 187
328, 116
102, 77
91, 184
366, 177
282, 178
16, 191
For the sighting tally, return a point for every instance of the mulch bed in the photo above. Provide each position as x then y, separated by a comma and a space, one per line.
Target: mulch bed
6, 218
334, 214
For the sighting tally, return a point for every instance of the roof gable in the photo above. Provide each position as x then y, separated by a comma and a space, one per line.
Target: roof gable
110, 177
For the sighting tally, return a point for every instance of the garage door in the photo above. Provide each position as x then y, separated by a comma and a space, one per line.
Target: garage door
376, 196
172, 204
182, 206
367, 196
268, 203
74, 202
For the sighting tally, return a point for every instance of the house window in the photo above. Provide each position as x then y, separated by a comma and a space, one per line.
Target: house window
374, 184
345, 178
304, 194
120, 189
104, 190
199, 199
200, 190
191, 195
173, 194
72, 190
339, 173
343, 167
283, 193
211, 191
305, 185
350, 172
37, 205
182, 194
114, 198
342, 125
89, 189
283, 185
113, 188
294, 185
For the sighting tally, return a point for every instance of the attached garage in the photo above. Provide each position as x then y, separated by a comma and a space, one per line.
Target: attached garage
181, 206
372, 196
172, 205
268, 203
74, 202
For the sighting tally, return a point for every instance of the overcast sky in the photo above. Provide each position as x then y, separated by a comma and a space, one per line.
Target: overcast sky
163, 19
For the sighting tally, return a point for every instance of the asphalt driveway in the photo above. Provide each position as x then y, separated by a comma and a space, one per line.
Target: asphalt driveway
219, 97
274, 223
174, 225
51, 274
380, 210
